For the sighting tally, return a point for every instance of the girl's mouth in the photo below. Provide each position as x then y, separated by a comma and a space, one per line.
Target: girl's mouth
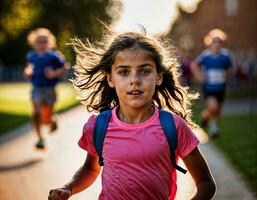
135, 92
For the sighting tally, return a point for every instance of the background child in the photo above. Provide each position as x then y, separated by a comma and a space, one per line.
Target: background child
212, 68
45, 67
133, 77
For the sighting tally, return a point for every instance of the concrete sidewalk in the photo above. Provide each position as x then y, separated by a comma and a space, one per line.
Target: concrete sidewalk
230, 184
26, 174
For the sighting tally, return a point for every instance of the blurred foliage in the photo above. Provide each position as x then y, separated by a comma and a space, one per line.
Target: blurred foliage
65, 18
17, 15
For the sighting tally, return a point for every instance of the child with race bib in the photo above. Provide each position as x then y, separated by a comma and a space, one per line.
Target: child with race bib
213, 68
132, 74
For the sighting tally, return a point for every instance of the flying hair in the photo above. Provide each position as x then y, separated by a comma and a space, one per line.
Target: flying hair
94, 61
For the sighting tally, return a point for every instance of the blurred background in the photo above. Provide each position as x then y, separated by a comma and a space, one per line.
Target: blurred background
186, 22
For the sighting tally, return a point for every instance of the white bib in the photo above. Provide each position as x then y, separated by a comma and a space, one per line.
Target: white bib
216, 76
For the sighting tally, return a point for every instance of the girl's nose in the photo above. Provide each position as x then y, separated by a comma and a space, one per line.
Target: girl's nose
135, 79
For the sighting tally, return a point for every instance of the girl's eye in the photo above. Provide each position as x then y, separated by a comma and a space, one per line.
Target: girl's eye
123, 72
145, 72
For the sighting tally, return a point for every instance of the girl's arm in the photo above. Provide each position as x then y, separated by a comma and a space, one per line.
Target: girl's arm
82, 179
201, 174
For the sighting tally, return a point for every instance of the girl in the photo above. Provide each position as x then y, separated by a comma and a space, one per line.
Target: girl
134, 76
45, 67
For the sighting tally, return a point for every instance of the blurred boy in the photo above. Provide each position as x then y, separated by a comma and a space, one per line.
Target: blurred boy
45, 67
212, 69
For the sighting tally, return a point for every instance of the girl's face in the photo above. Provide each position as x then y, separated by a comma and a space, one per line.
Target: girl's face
134, 77
41, 44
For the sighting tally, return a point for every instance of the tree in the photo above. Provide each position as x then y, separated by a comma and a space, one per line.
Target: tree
65, 18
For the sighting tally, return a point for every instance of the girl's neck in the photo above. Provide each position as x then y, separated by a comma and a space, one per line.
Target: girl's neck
135, 116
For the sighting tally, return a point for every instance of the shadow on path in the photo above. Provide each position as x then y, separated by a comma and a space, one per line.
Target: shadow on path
24, 129
21, 165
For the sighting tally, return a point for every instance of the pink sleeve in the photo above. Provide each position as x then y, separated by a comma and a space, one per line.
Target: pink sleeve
187, 141
86, 140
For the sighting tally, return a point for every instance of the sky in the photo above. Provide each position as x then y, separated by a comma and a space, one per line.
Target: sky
156, 16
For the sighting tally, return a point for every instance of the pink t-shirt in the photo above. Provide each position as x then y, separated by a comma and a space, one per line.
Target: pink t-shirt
137, 161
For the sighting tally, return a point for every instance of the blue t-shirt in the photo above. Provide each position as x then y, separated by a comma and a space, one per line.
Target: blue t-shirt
51, 59
214, 68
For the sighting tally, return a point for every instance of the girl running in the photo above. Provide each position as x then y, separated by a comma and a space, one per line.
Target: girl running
133, 75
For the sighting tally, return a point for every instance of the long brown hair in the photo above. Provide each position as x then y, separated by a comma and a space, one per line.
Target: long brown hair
93, 63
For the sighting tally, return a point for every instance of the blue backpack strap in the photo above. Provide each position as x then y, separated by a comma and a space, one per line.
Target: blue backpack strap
170, 131
100, 129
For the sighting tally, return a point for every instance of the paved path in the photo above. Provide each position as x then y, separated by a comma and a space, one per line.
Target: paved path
26, 174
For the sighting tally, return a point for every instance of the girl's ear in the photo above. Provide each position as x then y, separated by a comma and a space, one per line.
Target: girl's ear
110, 81
159, 78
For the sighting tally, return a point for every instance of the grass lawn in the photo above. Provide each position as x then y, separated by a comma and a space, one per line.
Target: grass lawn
15, 105
238, 141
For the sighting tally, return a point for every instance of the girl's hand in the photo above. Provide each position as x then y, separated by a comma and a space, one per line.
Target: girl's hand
50, 73
59, 194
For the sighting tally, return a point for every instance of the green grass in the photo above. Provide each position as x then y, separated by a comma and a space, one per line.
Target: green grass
11, 121
15, 104
238, 140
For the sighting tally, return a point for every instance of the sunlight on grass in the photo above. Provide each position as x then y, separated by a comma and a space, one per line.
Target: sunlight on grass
15, 98
15, 103
66, 96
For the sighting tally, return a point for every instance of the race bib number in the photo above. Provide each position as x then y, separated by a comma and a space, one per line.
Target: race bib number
216, 76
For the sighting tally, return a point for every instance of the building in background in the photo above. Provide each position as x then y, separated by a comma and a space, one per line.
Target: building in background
237, 18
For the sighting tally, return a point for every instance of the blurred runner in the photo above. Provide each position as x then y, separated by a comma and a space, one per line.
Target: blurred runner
212, 68
44, 67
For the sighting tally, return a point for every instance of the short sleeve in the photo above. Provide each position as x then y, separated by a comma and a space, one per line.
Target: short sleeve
228, 58
29, 56
187, 141
200, 59
59, 59
86, 140
228, 63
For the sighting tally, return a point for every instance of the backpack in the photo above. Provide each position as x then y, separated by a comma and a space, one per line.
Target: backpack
167, 123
